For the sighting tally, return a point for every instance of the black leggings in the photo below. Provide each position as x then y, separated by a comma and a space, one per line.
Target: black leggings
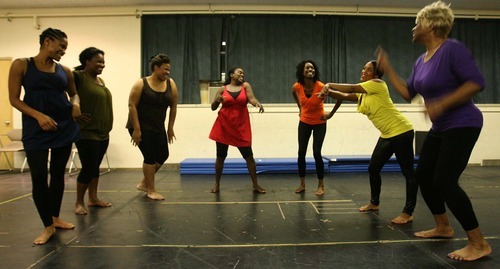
402, 146
48, 197
91, 153
153, 146
318, 132
222, 151
443, 158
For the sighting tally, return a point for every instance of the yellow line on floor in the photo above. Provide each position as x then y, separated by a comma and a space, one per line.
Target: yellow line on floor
254, 202
312, 244
14, 199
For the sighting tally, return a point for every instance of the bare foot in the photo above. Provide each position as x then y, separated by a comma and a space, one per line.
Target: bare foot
402, 219
369, 207
45, 235
321, 190
301, 188
142, 187
80, 209
155, 196
99, 203
436, 233
215, 188
259, 189
59, 223
471, 252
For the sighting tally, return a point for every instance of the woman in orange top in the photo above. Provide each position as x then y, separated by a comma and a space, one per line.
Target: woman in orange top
312, 120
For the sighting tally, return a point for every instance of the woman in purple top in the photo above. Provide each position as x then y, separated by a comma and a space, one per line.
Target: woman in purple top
447, 76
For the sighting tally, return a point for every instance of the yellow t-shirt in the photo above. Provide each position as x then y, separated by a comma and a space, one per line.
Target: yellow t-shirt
377, 105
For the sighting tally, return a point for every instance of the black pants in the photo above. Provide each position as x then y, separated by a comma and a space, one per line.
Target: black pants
443, 158
318, 132
153, 146
91, 153
402, 146
48, 197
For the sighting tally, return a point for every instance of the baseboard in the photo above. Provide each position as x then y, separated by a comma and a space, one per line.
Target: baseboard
491, 162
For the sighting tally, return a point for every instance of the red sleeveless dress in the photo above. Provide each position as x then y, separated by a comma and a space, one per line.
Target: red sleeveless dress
232, 126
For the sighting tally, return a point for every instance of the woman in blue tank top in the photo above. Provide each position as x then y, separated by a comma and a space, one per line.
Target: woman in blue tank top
48, 123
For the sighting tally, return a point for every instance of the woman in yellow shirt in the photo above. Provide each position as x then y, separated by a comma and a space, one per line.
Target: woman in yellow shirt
374, 101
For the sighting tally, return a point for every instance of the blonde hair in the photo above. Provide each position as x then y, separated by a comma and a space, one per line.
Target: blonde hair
438, 16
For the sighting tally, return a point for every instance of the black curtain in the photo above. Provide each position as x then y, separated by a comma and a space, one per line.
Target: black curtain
268, 48
193, 44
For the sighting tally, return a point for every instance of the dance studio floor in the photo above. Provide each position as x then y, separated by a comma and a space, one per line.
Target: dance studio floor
194, 228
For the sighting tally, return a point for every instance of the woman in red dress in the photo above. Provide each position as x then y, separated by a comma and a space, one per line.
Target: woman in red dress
232, 126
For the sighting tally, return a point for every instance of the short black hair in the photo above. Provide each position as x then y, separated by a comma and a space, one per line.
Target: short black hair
229, 73
86, 55
378, 72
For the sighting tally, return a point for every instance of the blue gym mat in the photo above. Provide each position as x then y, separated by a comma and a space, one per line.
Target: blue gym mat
238, 166
206, 166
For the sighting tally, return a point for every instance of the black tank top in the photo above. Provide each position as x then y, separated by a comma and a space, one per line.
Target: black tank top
152, 108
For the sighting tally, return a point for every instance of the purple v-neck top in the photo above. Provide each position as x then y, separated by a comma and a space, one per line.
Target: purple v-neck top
451, 66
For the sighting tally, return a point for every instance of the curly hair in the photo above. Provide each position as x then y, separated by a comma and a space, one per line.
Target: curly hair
158, 60
87, 54
299, 73
438, 16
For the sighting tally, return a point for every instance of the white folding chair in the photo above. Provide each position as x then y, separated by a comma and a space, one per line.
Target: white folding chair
16, 145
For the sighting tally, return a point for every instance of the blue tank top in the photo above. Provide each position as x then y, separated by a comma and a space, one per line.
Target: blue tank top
46, 93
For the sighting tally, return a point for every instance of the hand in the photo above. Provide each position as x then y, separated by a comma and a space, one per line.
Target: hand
85, 118
261, 108
136, 138
47, 123
382, 58
326, 117
325, 90
75, 112
434, 109
171, 136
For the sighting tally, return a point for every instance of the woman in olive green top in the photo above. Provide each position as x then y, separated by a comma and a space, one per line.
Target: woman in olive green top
95, 124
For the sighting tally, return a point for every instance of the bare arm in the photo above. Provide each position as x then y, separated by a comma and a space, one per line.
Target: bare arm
16, 74
73, 96
463, 94
296, 98
345, 88
251, 98
173, 113
334, 109
133, 102
218, 99
397, 82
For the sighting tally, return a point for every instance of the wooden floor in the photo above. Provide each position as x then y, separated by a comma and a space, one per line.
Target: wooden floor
237, 228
